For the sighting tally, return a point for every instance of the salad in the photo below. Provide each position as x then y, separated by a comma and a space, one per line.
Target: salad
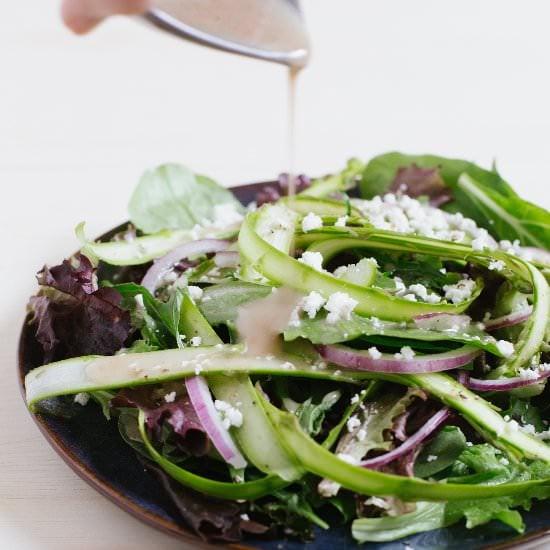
371, 352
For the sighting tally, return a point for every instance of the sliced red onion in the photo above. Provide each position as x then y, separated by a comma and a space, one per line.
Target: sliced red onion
363, 360
227, 258
509, 320
442, 321
432, 424
163, 265
202, 402
534, 376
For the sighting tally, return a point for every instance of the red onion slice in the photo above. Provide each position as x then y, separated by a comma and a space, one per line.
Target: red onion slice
202, 402
509, 320
442, 321
507, 384
163, 265
433, 423
362, 360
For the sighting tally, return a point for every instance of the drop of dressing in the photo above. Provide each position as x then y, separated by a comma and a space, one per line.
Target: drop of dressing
261, 322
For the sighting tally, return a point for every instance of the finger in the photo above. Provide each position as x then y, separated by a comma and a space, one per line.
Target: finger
82, 16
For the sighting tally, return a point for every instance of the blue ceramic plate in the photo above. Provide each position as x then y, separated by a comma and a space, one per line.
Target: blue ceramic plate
92, 447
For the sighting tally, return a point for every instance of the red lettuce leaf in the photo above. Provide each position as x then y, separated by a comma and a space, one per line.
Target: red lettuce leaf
190, 436
73, 316
422, 182
212, 519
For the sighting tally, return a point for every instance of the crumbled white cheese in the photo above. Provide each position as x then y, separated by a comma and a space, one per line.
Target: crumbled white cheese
82, 398
431, 458
230, 415
312, 303
198, 369
341, 222
505, 347
195, 292
196, 341
353, 423
420, 290
245, 517
528, 374
312, 259
361, 434
170, 397
355, 399
374, 353
406, 353
504, 461
460, 291
496, 265
311, 221
339, 305
410, 297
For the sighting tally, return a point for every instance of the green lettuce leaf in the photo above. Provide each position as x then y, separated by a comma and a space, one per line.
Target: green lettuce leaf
427, 516
172, 197
318, 331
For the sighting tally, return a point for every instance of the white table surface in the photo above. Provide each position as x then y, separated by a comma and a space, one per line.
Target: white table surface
81, 118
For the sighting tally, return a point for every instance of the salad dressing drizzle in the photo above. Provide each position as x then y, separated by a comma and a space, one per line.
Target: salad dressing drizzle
293, 73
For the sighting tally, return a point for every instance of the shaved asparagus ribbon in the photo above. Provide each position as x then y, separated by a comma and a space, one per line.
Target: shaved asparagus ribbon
249, 490
533, 334
91, 373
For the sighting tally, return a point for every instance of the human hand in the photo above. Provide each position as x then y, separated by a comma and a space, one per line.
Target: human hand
82, 16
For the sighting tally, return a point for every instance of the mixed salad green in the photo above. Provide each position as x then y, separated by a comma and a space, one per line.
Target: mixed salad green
371, 352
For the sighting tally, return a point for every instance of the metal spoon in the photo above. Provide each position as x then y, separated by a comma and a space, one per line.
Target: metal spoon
272, 30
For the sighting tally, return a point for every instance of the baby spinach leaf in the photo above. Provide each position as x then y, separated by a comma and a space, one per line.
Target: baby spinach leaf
441, 452
172, 197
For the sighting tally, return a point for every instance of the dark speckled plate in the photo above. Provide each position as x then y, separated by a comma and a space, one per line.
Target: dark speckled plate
93, 448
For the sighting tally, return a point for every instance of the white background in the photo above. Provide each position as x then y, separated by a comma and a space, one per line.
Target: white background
81, 118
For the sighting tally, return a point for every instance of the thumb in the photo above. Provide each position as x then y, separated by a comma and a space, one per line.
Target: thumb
82, 16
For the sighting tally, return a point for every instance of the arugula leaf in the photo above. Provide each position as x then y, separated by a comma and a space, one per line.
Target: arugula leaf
172, 197
311, 415
158, 321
